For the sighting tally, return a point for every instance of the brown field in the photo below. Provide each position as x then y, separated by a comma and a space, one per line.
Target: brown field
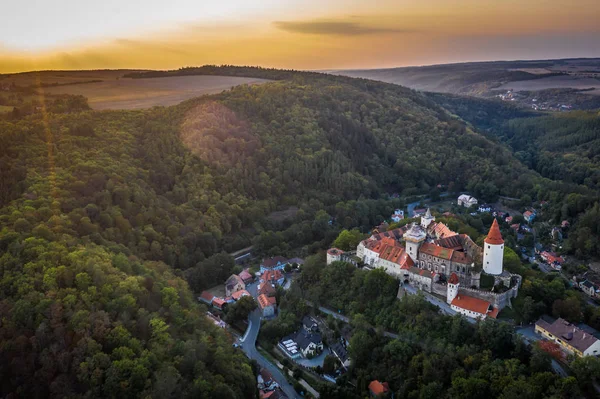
60, 77
128, 93
554, 82
6, 108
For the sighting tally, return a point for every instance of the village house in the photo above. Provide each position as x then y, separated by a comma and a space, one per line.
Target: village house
266, 382
302, 343
246, 277
238, 294
378, 389
234, 283
398, 215
569, 337
273, 277
206, 297
466, 200
589, 288
266, 289
273, 263
552, 258
529, 216
309, 324
267, 305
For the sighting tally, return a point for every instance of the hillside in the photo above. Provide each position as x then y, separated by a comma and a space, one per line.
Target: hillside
99, 210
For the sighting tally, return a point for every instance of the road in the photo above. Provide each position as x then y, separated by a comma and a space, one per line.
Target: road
248, 345
529, 335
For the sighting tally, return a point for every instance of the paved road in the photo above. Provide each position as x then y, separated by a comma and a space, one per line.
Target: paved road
529, 335
249, 347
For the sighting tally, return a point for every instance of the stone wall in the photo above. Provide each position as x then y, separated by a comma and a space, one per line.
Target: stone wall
439, 289
499, 300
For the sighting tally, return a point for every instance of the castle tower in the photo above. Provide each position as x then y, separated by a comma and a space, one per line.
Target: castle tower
493, 250
414, 237
453, 285
427, 219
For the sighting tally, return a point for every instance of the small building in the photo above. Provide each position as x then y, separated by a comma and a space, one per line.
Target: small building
378, 389
219, 303
334, 255
206, 297
589, 288
267, 305
273, 277
266, 289
569, 337
296, 261
238, 294
552, 258
529, 216
234, 283
273, 263
310, 344
266, 381
508, 219
309, 324
466, 200
246, 277
398, 215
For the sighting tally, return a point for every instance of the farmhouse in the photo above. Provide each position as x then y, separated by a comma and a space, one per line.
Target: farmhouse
571, 338
466, 200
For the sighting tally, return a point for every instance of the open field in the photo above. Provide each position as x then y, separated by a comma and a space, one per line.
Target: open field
47, 78
554, 82
145, 93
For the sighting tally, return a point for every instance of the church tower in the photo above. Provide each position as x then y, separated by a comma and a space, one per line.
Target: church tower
453, 285
414, 237
427, 219
493, 251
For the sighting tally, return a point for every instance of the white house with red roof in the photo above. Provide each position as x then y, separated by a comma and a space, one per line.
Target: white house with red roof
467, 305
267, 305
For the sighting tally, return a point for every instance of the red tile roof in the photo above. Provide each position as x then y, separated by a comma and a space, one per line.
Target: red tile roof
461, 257
551, 257
207, 296
440, 230
244, 275
238, 294
272, 262
453, 279
219, 302
473, 304
264, 301
378, 388
436, 250
272, 275
267, 289
494, 236
334, 251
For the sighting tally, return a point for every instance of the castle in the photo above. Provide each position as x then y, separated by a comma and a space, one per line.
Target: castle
437, 260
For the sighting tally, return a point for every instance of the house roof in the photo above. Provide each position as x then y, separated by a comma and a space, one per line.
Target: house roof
436, 250
206, 296
334, 251
298, 261
304, 339
267, 289
265, 301
238, 294
527, 214
266, 375
569, 333
308, 322
233, 280
272, 275
461, 257
378, 388
440, 230
218, 302
587, 283
421, 272
392, 253
494, 236
551, 257
396, 234
453, 279
452, 242
273, 261
473, 304
244, 275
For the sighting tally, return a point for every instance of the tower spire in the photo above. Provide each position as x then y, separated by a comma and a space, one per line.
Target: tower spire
494, 236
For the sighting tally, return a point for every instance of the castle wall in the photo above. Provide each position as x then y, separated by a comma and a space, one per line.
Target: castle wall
439, 289
498, 300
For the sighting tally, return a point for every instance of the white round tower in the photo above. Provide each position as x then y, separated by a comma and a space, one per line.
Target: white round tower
493, 251
427, 219
453, 285
414, 237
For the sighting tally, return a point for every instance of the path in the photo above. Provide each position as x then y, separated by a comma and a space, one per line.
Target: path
248, 345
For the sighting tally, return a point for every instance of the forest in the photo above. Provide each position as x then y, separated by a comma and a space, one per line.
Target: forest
105, 215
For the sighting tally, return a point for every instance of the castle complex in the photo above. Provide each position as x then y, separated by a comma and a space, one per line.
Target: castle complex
435, 259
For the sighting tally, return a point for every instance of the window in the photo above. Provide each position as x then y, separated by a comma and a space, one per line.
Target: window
489, 246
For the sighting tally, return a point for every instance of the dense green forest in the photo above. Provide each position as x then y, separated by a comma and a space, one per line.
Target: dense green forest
563, 147
434, 355
104, 214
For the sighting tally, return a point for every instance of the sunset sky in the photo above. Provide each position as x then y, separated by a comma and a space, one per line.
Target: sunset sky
307, 34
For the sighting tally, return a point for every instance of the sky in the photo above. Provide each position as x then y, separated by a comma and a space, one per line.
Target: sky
299, 34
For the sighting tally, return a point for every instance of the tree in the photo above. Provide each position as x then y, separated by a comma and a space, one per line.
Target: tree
240, 310
348, 239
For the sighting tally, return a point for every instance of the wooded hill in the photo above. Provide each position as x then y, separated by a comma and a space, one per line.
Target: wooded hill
98, 208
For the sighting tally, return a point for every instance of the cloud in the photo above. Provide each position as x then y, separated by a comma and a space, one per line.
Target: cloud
341, 28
